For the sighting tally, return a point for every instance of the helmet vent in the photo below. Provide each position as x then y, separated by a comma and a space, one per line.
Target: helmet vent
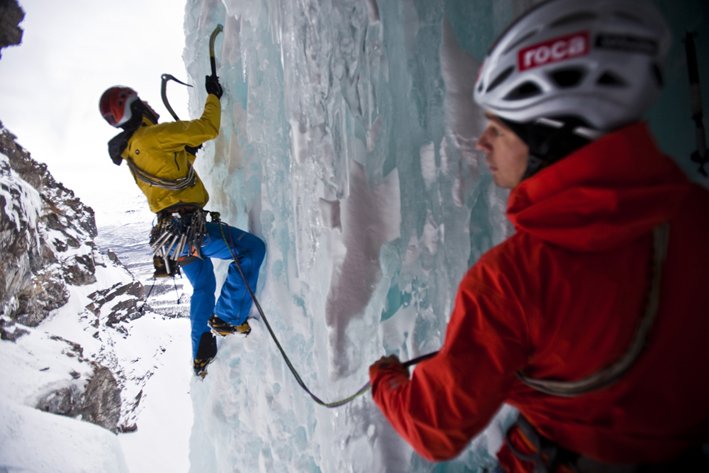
580, 17
501, 77
567, 77
610, 79
523, 91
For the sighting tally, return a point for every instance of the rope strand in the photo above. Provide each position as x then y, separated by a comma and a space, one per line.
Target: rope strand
293, 371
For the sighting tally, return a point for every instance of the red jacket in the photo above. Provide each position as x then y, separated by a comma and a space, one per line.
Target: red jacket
561, 299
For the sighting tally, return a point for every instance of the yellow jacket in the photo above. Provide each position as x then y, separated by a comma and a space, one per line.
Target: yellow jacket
158, 150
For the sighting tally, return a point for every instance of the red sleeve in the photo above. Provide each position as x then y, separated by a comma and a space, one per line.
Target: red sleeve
452, 396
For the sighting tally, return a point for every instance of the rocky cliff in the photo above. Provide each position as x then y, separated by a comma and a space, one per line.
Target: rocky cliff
46, 234
49, 266
76, 337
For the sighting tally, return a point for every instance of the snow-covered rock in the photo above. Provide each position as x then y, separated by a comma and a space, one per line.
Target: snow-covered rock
68, 309
46, 234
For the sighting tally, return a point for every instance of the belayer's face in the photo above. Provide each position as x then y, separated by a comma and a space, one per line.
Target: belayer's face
506, 153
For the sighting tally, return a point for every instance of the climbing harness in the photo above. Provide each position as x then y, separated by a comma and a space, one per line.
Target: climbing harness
287, 360
546, 455
549, 457
609, 375
699, 156
177, 228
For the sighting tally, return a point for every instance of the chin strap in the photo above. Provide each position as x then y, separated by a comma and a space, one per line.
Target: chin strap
551, 140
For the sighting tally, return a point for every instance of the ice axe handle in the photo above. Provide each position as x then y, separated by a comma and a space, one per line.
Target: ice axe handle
212, 39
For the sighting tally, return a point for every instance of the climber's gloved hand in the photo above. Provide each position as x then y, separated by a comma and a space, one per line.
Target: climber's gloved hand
213, 86
389, 369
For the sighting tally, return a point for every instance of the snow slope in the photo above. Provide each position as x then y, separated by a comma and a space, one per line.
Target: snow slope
35, 441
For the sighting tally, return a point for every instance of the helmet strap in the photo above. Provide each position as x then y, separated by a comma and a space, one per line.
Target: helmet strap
149, 113
140, 110
548, 141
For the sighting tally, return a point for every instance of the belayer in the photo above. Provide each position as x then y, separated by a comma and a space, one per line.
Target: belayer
592, 319
160, 157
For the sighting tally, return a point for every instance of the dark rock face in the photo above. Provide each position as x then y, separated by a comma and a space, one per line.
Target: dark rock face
102, 400
46, 233
98, 401
47, 236
10, 17
121, 310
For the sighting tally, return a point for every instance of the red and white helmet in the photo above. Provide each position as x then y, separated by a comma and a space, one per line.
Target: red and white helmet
115, 105
598, 61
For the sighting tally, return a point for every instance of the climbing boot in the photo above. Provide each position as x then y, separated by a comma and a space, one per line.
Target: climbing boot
206, 352
219, 327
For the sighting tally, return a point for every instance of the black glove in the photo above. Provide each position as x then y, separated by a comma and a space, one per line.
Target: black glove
212, 85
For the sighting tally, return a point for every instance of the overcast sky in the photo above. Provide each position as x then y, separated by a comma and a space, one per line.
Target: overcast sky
71, 51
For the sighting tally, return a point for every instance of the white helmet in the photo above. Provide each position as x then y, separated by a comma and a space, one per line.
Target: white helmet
595, 61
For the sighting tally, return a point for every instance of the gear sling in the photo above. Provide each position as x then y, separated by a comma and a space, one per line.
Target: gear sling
548, 456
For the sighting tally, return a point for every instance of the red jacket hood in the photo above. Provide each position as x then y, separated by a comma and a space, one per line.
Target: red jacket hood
607, 193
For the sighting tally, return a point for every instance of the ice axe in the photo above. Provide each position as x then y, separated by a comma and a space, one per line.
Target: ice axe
212, 58
165, 78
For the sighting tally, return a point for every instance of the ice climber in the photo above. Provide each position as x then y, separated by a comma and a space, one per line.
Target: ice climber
160, 158
592, 319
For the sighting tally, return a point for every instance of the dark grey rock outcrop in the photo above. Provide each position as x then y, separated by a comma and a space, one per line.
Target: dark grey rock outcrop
47, 236
10, 17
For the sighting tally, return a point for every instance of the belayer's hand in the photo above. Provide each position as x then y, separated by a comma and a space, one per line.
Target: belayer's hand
211, 83
388, 367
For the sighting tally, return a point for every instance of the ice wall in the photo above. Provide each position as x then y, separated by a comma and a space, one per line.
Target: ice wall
347, 145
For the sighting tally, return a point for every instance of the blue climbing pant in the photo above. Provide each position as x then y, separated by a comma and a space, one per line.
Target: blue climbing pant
234, 302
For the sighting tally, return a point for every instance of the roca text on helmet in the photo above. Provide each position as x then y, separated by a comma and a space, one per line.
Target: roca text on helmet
597, 62
116, 105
